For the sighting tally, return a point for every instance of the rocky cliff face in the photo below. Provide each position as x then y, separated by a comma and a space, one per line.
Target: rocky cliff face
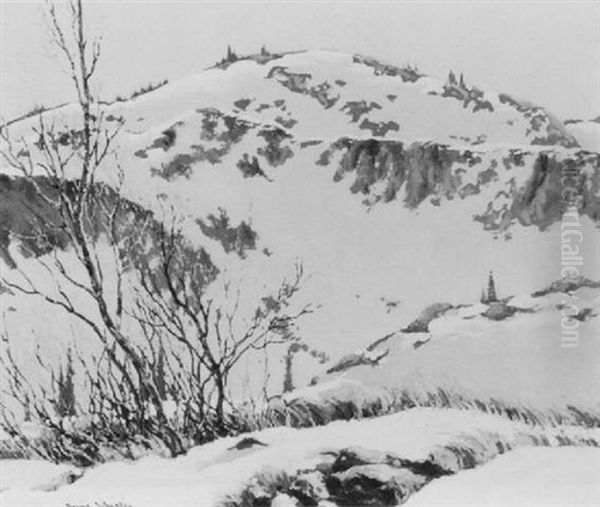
383, 171
541, 201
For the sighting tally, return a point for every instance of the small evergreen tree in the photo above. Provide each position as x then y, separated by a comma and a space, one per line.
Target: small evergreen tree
65, 404
491, 289
451, 78
231, 56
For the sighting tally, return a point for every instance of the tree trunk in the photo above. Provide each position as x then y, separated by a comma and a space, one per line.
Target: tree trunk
220, 405
288, 384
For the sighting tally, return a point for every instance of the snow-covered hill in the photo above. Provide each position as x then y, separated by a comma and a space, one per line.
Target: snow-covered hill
298, 156
326, 94
396, 191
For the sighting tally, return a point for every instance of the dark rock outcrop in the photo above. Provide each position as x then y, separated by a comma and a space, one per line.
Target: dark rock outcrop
309, 488
549, 130
216, 127
27, 218
246, 443
584, 314
380, 169
567, 285
499, 311
356, 109
432, 312
302, 83
238, 239
379, 129
375, 485
357, 359
426, 169
408, 74
275, 152
360, 476
250, 167
541, 202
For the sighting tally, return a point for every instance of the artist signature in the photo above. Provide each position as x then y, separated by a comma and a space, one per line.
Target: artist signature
99, 504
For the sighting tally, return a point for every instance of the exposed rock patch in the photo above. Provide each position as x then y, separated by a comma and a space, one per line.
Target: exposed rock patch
540, 202
242, 104
164, 142
356, 109
379, 129
432, 312
275, 152
584, 314
27, 218
306, 144
357, 477
373, 485
408, 74
423, 169
549, 129
379, 169
287, 122
220, 131
499, 311
246, 443
250, 167
353, 359
301, 83
567, 285
238, 239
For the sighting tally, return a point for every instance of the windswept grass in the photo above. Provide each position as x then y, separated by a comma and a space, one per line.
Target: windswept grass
302, 412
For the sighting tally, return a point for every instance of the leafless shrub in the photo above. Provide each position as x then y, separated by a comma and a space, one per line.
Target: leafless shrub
166, 349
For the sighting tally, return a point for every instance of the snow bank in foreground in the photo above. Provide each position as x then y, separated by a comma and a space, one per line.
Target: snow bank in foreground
209, 472
525, 477
34, 474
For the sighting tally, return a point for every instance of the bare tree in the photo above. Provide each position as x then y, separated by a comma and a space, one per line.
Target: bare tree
171, 305
160, 335
68, 184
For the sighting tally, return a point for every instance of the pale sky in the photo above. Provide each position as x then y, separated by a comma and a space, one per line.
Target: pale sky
546, 52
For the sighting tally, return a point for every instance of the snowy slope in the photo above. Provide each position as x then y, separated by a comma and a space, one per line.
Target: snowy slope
521, 360
323, 92
366, 253
208, 473
461, 187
